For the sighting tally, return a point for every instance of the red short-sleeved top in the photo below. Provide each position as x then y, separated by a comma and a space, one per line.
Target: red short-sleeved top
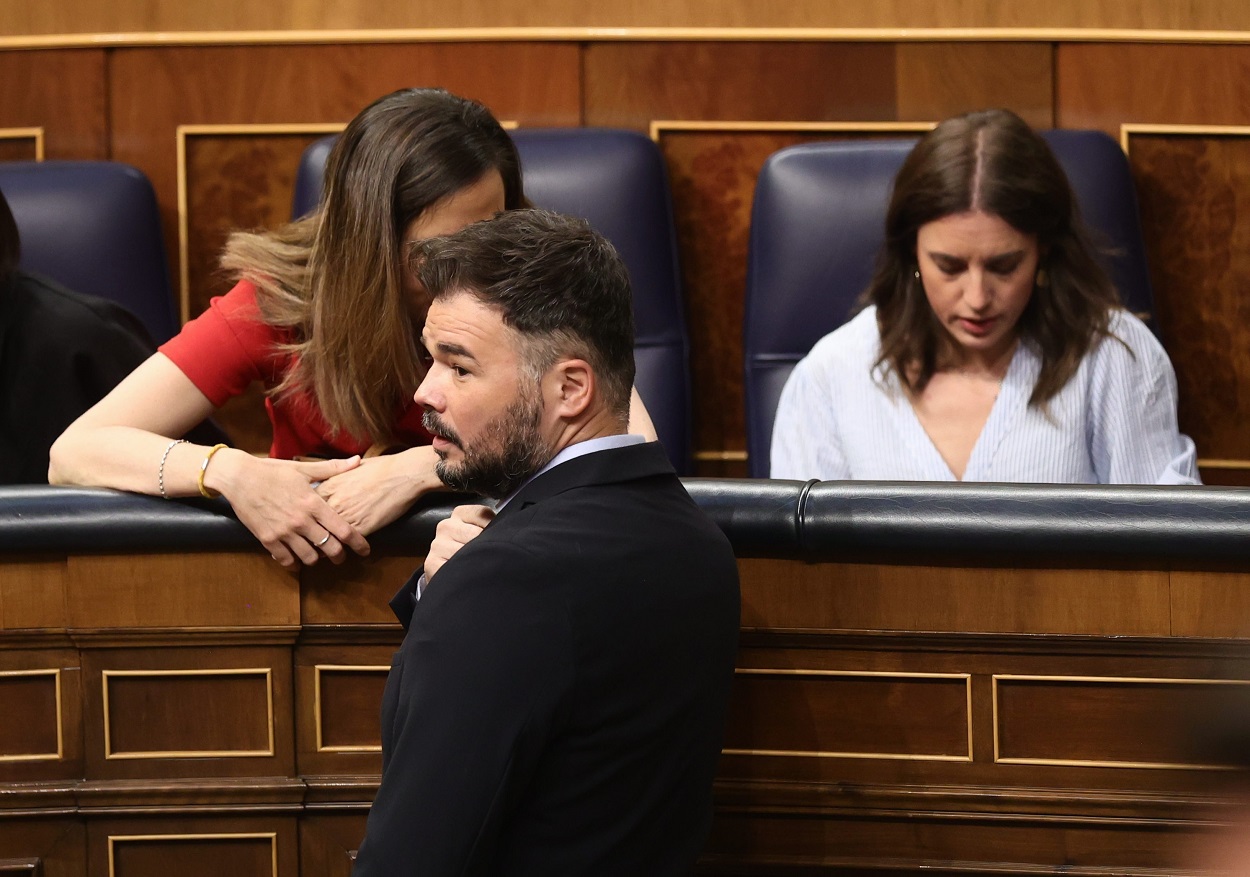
229, 346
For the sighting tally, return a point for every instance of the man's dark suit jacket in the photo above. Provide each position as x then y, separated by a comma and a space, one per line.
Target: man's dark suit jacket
558, 703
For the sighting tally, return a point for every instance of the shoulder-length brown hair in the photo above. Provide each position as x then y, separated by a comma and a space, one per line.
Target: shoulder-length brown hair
993, 162
335, 278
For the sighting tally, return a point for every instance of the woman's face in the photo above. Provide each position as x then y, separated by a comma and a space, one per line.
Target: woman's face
473, 203
978, 275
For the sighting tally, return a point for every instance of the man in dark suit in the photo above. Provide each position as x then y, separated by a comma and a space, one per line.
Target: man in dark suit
557, 705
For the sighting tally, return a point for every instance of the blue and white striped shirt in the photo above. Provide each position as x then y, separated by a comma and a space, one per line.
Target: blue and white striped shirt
1114, 422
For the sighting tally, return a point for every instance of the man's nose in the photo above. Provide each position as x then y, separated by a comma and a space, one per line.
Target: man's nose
427, 395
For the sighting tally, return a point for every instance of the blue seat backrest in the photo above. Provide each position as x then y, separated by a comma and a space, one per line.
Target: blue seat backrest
817, 225
94, 227
617, 181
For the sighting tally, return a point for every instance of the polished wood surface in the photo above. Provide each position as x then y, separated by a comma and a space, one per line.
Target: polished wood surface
64, 92
83, 16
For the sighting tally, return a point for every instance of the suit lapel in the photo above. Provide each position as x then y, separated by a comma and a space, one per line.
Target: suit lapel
598, 467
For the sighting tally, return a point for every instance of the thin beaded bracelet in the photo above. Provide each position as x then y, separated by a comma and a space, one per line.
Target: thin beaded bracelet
208, 493
160, 473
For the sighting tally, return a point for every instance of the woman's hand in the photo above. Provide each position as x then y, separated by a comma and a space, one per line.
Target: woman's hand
380, 489
276, 500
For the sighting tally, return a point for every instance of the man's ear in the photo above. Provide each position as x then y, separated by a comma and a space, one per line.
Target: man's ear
571, 388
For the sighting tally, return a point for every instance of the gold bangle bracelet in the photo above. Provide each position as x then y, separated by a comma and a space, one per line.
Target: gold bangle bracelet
206, 492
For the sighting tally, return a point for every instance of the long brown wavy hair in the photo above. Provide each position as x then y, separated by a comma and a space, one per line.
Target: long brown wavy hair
990, 161
335, 277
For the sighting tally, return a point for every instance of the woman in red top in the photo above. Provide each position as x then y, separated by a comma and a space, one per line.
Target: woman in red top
327, 318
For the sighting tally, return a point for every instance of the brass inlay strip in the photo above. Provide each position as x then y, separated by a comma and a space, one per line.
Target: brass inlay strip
265, 672
271, 836
663, 126
865, 674
1128, 129
627, 34
722, 456
1116, 680
55, 673
35, 134
1223, 464
340, 668
185, 131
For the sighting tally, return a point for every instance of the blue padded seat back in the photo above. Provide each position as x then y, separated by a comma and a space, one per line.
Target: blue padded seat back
94, 227
617, 181
817, 225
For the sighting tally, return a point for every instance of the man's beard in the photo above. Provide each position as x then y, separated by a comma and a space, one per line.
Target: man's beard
509, 450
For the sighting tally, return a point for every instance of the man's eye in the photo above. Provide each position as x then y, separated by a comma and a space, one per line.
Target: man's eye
460, 372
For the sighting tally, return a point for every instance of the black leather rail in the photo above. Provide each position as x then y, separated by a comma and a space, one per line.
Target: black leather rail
762, 518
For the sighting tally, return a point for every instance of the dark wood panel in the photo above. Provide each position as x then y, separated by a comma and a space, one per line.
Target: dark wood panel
62, 91
32, 595
57, 847
163, 723
847, 596
1211, 604
18, 148
1194, 189
258, 846
632, 84
1107, 721
937, 80
334, 695
30, 721
203, 712
328, 843
350, 701
359, 590
796, 713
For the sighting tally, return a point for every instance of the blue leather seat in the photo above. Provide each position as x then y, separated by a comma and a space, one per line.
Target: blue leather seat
817, 224
617, 181
94, 227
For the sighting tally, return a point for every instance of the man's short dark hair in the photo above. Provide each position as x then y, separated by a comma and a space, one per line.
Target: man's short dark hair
555, 280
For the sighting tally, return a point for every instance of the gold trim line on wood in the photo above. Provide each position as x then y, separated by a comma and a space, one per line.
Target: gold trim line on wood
863, 674
271, 836
664, 126
624, 34
1128, 129
721, 456
1119, 680
35, 134
266, 672
1223, 464
184, 234
341, 668
55, 673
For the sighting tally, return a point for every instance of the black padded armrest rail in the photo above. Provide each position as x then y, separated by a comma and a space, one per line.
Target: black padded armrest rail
760, 517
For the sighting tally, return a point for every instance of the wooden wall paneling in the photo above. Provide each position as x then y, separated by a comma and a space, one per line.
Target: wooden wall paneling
21, 144
938, 80
1210, 604
49, 847
206, 712
328, 843
62, 91
41, 723
357, 592
1194, 183
258, 846
84, 16
338, 701
190, 591
246, 181
32, 594
787, 594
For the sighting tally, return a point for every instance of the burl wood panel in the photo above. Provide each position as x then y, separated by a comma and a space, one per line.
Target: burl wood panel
713, 176
851, 596
235, 180
805, 714
165, 722
180, 590
1193, 191
256, 846
1105, 721
32, 594
937, 80
62, 91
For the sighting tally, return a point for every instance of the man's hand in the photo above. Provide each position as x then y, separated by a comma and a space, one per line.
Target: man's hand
464, 525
